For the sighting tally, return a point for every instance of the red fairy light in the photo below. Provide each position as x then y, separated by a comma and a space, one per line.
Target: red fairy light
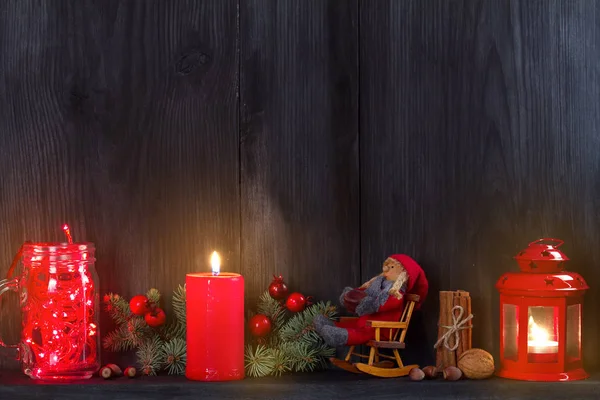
60, 305
68, 233
61, 326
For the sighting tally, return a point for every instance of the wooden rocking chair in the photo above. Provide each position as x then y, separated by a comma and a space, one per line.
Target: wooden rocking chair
385, 368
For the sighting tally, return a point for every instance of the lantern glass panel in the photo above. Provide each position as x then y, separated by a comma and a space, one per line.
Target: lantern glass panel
573, 332
542, 335
511, 331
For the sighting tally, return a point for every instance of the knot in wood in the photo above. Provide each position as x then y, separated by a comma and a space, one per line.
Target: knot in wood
191, 61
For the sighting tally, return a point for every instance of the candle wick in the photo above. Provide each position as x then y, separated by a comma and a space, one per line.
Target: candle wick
215, 273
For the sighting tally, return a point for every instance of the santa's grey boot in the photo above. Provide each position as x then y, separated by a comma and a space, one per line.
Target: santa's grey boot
320, 321
334, 336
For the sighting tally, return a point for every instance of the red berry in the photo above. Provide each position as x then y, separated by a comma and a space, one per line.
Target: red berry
155, 318
260, 325
278, 289
296, 302
139, 305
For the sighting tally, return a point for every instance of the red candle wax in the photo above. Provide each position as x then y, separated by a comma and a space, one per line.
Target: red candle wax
215, 326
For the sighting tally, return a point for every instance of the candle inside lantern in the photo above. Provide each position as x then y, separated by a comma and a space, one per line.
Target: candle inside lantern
539, 340
215, 324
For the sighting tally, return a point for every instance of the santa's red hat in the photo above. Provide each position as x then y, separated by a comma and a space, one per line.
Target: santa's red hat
417, 281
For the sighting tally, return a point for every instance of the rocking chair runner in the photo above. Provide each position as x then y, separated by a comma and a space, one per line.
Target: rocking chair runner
385, 368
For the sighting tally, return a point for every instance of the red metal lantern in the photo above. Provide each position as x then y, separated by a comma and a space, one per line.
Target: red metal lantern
541, 317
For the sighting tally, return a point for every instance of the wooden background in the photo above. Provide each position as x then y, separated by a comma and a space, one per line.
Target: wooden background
310, 138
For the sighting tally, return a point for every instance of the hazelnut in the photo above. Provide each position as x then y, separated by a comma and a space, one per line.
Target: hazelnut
452, 374
430, 371
416, 374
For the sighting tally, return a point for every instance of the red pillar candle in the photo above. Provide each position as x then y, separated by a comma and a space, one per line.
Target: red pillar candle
215, 325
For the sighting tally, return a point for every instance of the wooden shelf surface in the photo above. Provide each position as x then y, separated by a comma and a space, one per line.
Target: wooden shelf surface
318, 385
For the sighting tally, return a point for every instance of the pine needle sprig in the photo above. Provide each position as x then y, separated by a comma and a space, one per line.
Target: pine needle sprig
173, 331
174, 356
303, 357
300, 326
153, 296
282, 362
117, 341
137, 330
272, 309
259, 361
324, 352
149, 359
117, 307
179, 304
127, 336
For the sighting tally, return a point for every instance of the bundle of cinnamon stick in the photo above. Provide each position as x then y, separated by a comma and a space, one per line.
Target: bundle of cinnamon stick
448, 318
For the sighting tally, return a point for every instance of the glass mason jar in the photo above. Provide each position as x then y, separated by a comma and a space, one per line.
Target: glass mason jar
59, 301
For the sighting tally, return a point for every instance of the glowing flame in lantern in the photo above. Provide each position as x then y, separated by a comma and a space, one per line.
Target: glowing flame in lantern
537, 334
215, 262
538, 340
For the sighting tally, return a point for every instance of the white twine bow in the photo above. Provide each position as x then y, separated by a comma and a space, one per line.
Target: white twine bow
457, 325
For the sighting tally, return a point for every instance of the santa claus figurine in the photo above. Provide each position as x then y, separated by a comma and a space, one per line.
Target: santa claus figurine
379, 299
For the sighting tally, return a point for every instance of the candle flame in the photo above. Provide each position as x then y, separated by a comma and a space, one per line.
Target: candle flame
215, 263
536, 333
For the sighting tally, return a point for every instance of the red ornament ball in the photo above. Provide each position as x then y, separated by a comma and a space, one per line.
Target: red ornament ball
260, 325
296, 302
278, 289
155, 318
139, 305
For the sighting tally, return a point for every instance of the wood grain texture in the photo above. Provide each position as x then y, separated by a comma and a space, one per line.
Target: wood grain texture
299, 142
120, 118
479, 125
474, 134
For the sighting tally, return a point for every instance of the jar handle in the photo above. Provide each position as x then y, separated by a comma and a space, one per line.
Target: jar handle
560, 242
11, 283
5, 286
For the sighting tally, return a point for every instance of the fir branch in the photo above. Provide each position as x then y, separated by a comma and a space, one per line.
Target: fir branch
282, 362
273, 340
138, 331
259, 361
117, 307
149, 356
272, 309
153, 296
173, 354
173, 331
127, 336
302, 356
179, 304
300, 326
324, 352
116, 340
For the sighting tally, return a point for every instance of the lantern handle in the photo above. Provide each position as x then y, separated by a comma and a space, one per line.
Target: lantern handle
560, 242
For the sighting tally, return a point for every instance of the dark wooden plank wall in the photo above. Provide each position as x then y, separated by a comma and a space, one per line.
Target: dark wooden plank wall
478, 135
308, 138
299, 144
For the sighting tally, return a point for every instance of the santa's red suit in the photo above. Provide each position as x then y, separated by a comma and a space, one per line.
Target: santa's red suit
384, 301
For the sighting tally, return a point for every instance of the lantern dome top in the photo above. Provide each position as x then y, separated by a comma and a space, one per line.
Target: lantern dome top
554, 285
542, 257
